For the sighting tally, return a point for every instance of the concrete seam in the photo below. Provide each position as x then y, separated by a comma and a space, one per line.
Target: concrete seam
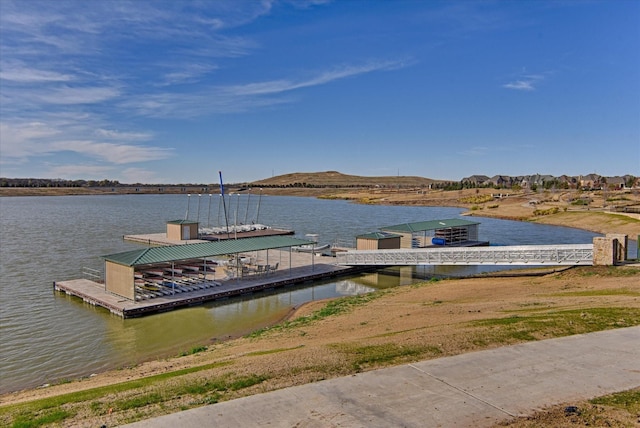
463, 391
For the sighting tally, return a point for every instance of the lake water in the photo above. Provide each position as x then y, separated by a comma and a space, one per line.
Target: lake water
48, 337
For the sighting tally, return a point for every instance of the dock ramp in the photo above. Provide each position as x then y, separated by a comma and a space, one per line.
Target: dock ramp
525, 255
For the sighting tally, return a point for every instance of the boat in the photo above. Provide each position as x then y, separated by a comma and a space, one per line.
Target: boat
310, 248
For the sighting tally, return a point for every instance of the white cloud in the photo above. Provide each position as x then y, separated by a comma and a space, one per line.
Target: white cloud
22, 74
240, 98
73, 172
25, 139
139, 175
475, 151
278, 86
78, 95
525, 83
117, 135
113, 153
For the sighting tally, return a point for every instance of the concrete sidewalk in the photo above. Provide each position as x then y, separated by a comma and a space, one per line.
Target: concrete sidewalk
476, 389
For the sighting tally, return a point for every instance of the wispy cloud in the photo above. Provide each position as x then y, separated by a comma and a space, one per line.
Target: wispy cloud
525, 83
246, 97
475, 151
278, 86
113, 153
74, 171
17, 72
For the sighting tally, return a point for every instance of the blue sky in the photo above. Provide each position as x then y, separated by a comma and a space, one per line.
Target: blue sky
175, 91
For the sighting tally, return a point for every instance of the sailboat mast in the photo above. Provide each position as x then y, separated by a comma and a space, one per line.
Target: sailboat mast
226, 217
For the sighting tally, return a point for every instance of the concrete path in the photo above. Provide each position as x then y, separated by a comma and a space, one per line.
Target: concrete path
476, 389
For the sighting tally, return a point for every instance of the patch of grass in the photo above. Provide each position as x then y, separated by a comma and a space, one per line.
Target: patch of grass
556, 323
333, 308
626, 400
373, 355
590, 293
480, 199
36, 406
607, 271
210, 388
548, 211
194, 350
272, 351
50, 416
142, 400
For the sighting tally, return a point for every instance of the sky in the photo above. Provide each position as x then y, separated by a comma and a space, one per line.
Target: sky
174, 91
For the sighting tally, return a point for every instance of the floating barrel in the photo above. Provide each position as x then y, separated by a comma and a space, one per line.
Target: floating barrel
438, 241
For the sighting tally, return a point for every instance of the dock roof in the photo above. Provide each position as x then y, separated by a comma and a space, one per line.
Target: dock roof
201, 250
422, 226
378, 235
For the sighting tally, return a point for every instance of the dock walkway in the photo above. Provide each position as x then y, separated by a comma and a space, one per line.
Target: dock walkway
515, 255
302, 269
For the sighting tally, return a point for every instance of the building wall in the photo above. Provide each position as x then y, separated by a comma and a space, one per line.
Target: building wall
366, 244
175, 231
378, 244
389, 243
405, 238
119, 280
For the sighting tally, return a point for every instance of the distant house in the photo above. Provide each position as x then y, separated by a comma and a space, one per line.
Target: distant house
476, 180
616, 182
500, 181
590, 181
571, 182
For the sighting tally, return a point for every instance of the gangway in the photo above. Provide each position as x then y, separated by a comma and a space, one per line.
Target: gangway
566, 255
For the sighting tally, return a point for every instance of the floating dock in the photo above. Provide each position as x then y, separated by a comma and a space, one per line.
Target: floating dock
300, 271
162, 239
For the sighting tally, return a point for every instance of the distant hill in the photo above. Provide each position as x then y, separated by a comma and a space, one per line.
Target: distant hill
337, 179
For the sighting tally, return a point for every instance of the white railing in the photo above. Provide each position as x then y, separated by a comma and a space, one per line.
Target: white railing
568, 254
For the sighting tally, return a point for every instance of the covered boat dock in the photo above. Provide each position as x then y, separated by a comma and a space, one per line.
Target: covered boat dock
162, 278
448, 232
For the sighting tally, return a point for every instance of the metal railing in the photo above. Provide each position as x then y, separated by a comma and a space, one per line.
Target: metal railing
93, 274
568, 255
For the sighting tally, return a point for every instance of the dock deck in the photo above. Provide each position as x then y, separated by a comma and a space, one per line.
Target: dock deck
161, 238
302, 269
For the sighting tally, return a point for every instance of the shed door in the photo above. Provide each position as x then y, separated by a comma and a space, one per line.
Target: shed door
186, 232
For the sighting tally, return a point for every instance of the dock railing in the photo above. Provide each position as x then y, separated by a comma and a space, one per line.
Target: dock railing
94, 275
570, 254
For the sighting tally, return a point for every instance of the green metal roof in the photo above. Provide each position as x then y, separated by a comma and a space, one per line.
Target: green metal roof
200, 250
422, 226
378, 235
182, 222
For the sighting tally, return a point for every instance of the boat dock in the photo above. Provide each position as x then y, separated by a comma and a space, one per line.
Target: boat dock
303, 268
163, 239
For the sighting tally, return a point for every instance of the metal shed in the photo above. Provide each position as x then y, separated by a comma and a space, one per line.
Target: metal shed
435, 232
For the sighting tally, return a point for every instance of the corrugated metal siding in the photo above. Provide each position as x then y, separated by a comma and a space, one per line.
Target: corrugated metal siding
203, 249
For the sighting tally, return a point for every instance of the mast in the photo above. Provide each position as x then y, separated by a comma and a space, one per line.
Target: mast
226, 217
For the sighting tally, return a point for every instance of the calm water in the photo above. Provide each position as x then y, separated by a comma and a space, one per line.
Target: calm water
47, 337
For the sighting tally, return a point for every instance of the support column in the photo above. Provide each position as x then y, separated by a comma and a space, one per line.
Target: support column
605, 250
